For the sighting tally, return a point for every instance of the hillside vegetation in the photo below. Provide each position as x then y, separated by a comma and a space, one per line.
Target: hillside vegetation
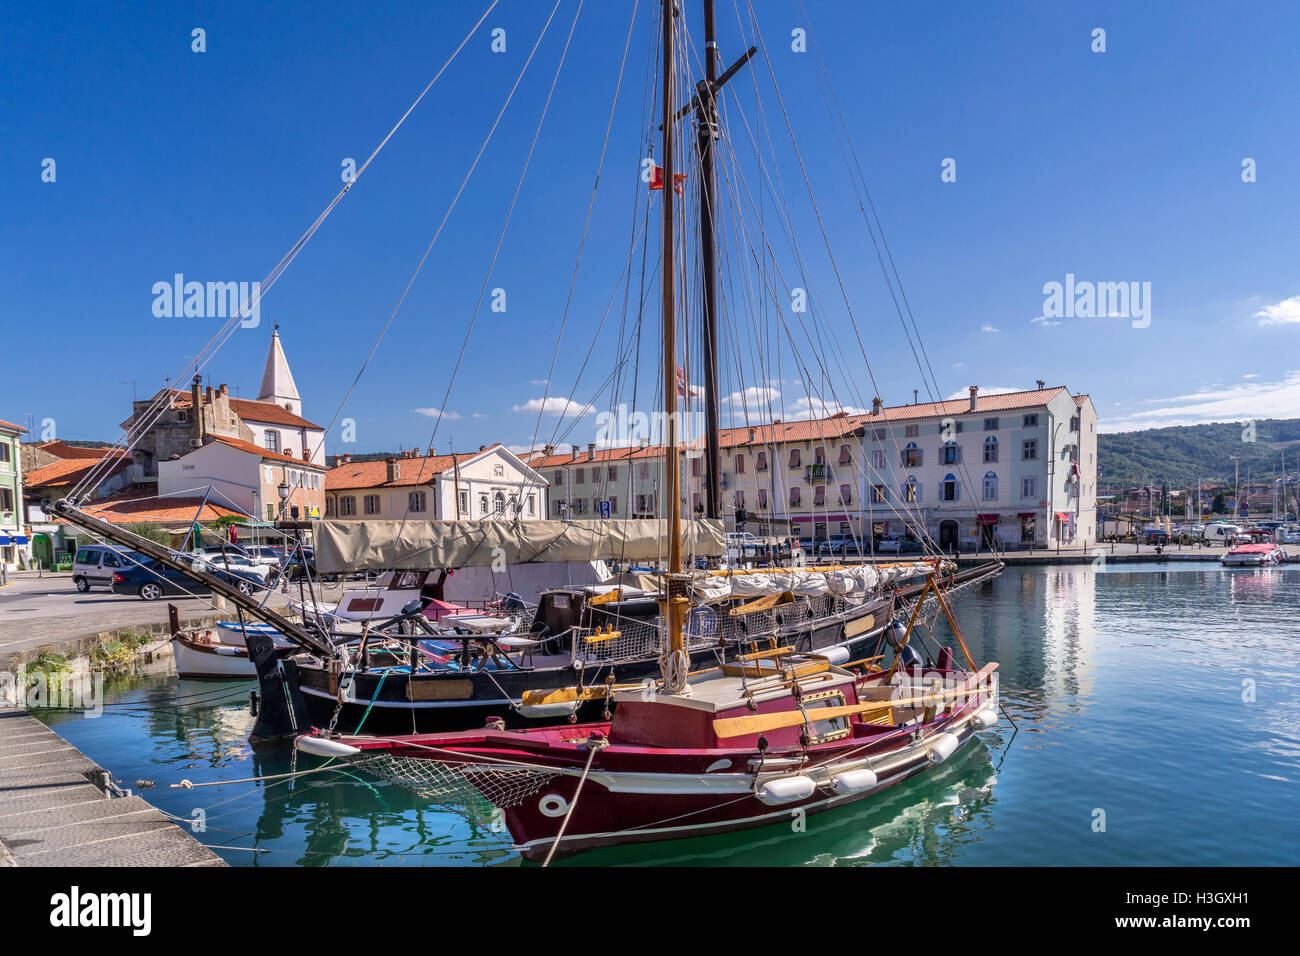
1180, 456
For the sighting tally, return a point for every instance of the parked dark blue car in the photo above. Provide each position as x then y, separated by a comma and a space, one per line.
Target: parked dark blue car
151, 580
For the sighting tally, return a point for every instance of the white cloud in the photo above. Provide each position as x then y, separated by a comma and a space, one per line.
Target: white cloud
1286, 312
539, 381
555, 405
436, 413
958, 364
757, 398
1250, 375
1217, 403
818, 408
988, 328
1044, 320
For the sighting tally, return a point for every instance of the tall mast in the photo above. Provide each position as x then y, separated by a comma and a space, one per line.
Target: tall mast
673, 663
706, 119
707, 131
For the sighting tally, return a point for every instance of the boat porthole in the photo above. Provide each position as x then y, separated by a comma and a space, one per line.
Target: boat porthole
553, 805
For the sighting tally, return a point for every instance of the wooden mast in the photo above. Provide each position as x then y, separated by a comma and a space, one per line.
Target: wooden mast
673, 662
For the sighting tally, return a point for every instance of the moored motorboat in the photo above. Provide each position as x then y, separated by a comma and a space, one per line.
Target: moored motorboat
1261, 555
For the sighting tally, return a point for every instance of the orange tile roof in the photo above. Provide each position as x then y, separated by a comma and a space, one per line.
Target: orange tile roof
61, 449
5, 424
132, 508
252, 449
250, 410
420, 470
70, 471
840, 425
1006, 401
602, 454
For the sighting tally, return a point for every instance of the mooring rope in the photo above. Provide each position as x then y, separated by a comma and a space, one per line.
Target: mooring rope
594, 746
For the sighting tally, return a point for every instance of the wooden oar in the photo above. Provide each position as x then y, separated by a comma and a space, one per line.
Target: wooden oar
761, 723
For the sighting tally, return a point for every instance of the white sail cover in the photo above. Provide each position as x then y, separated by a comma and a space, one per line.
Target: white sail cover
343, 545
842, 581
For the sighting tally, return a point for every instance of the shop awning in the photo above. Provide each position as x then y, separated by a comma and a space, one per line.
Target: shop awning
986, 519
1063, 517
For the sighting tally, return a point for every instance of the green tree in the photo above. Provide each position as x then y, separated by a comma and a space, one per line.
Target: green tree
1220, 505
1164, 499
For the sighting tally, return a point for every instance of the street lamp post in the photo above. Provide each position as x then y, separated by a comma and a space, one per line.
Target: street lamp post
283, 489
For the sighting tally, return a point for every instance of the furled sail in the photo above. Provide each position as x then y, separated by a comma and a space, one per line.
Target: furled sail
343, 545
841, 581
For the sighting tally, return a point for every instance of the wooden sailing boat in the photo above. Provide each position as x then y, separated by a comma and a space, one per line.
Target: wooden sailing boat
736, 746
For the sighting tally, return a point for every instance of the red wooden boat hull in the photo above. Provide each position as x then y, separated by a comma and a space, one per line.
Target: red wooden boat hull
636, 794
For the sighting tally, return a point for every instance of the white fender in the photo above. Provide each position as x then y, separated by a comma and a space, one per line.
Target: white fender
853, 781
322, 747
548, 711
944, 746
986, 718
836, 655
786, 790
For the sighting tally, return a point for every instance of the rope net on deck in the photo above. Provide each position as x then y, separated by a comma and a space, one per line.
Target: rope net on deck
458, 786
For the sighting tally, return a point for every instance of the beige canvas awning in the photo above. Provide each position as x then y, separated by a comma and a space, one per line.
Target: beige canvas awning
358, 545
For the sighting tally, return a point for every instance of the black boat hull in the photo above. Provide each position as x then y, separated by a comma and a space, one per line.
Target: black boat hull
396, 704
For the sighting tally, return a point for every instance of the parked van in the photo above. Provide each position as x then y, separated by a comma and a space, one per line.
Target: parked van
1220, 533
95, 565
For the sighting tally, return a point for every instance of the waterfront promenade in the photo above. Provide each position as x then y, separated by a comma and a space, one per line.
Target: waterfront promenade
53, 813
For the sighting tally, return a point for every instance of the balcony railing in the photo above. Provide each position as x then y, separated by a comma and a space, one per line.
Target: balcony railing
821, 472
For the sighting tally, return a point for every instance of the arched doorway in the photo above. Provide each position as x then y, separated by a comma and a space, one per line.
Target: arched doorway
948, 536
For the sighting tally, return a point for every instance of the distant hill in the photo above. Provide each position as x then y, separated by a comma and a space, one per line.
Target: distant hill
1180, 455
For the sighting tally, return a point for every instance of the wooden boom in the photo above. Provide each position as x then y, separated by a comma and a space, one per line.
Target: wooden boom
762, 723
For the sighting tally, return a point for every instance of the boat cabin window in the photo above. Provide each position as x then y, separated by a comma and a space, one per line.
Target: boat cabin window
835, 728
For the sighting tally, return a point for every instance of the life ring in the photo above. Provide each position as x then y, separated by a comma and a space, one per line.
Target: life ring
553, 805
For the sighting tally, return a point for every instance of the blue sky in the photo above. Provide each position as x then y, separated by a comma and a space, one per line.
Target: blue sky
1122, 166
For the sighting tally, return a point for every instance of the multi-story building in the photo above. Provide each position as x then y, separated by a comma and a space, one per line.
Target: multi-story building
13, 530
489, 483
1008, 470
797, 478
602, 482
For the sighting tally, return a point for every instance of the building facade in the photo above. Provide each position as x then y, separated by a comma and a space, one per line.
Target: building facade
1015, 470
14, 542
602, 482
489, 483
246, 478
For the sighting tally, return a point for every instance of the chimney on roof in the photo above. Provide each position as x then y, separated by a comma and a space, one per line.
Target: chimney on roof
916, 396
876, 405
344, 458
974, 391
306, 455
1041, 385
591, 451
394, 469
196, 410
433, 452
753, 433
222, 390
548, 450
575, 451
207, 395
482, 447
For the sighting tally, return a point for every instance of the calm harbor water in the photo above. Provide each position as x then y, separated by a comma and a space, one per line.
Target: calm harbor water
1164, 697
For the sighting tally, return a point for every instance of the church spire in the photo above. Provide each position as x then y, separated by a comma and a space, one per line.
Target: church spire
277, 380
